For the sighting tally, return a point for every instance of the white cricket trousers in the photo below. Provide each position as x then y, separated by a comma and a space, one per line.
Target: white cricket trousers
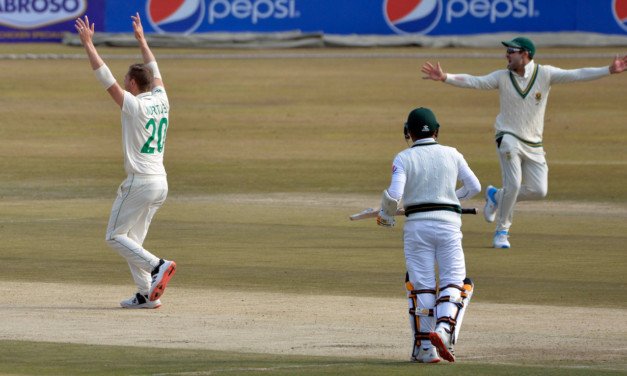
425, 243
519, 162
139, 198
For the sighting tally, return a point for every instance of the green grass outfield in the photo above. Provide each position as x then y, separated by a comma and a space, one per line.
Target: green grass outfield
55, 359
323, 130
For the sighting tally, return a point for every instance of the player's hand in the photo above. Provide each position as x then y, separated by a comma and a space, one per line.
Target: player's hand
85, 32
385, 220
137, 27
433, 73
618, 65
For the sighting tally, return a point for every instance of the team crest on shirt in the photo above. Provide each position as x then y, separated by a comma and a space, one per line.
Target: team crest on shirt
538, 96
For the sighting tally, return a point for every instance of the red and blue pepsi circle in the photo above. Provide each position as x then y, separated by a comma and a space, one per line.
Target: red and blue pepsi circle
412, 16
175, 16
619, 7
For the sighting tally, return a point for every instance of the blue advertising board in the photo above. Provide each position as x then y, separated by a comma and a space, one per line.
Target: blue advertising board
45, 20
365, 17
37, 19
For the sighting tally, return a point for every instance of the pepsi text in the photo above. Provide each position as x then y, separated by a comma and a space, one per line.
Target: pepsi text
254, 10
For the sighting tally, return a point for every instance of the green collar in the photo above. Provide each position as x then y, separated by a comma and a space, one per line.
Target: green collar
524, 93
424, 144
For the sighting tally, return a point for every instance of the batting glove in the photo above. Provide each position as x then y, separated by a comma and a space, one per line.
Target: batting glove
385, 220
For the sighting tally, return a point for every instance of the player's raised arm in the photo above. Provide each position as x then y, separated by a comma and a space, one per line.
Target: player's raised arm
102, 72
147, 56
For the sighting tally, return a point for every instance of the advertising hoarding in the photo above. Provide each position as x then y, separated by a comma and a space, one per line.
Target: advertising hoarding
46, 20
375, 17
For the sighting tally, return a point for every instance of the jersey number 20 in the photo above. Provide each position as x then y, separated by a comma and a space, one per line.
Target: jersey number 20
160, 133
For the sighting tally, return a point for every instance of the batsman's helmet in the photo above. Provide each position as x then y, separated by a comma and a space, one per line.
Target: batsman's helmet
421, 123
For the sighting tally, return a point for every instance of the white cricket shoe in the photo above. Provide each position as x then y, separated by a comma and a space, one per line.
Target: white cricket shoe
489, 210
441, 339
500, 240
140, 301
160, 277
429, 355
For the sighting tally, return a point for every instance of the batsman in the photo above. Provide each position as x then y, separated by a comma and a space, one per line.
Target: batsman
425, 177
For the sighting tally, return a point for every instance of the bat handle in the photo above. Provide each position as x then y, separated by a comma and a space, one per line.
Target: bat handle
470, 211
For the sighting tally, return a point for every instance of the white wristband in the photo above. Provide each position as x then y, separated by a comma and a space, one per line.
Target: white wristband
103, 74
155, 69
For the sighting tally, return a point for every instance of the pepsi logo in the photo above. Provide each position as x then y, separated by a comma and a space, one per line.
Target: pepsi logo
175, 16
619, 7
412, 16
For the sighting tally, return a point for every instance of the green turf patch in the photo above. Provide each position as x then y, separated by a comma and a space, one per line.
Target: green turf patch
38, 358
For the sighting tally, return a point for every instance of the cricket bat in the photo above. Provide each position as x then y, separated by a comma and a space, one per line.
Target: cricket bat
373, 213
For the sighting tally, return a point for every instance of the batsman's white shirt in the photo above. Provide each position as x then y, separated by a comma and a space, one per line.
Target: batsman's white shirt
144, 127
428, 173
523, 98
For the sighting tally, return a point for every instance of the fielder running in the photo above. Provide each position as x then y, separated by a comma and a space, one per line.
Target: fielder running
523, 93
425, 176
145, 110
